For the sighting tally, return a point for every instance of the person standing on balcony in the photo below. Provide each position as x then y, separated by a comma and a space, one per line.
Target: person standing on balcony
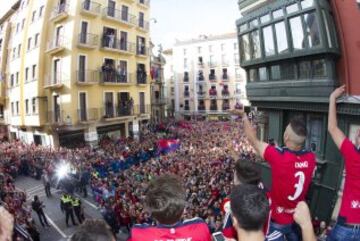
292, 169
348, 223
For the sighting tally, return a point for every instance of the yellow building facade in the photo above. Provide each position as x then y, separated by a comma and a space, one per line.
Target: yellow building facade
77, 70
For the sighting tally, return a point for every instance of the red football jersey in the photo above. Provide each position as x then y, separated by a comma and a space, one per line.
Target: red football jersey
292, 174
350, 206
190, 230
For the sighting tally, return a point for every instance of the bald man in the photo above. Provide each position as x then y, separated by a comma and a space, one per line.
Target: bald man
292, 170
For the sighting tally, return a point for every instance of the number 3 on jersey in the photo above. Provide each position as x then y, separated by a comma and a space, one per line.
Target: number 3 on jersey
298, 186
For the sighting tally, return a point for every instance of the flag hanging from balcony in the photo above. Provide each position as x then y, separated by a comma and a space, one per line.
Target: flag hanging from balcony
168, 145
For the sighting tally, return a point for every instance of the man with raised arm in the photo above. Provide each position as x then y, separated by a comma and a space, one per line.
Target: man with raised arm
292, 169
348, 223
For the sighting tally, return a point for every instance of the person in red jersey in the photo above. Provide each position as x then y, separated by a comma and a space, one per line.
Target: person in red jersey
292, 169
165, 200
250, 209
245, 172
348, 223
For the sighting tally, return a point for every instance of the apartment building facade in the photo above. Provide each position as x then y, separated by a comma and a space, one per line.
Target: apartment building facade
208, 78
76, 70
295, 53
158, 87
169, 77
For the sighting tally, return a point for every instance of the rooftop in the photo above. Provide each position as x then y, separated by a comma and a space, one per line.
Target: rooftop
206, 38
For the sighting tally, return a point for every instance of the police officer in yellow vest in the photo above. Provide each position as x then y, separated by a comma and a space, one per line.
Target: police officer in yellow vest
76, 203
67, 207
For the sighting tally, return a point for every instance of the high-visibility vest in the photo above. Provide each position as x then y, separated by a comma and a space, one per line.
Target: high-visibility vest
65, 199
75, 202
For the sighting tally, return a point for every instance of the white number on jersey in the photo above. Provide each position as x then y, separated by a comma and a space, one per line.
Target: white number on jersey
298, 186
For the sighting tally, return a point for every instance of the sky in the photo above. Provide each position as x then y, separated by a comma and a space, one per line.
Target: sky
5, 5
186, 19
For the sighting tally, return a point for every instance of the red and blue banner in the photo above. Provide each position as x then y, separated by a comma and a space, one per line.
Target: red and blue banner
168, 145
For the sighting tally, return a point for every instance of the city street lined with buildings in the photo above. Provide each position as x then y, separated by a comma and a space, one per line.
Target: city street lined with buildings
161, 117
56, 218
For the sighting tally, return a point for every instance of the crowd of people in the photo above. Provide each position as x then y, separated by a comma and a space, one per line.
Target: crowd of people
122, 172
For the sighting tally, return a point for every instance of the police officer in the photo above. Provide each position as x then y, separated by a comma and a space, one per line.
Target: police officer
76, 203
66, 206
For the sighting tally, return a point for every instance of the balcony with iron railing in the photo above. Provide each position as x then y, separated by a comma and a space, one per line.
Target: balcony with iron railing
122, 17
213, 108
212, 78
88, 40
201, 108
186, 78
201, 77
55, 81
60, 12
213, 93
114, 77
87, 77
225, 77
141, 78
159, 101
143, 25
88, 115
56, 45
142, 51
141, 110
57, 117
111, 111
225, 106
90, 8
225, 93
201, 94
143, 3
115, 45
213, 64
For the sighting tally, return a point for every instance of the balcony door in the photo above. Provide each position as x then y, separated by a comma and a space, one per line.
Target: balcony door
141, 20
142, 102
109, 105
124, 105
59, 36
123, 72
82, 106
123, 40
84, 32
82, 67
111, 8
57, 116
125, 13
57, 72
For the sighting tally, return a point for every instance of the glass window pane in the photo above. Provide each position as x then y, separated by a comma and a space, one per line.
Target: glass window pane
254, 23
265, 18
275, 72
307, 3
305, 70
334, 33
328, 35
253, 75
243, 27
319, 68
297, 33
281, 38
287, 71
245, 47
292, 8
262, 74
312, 30
269, 41
255, 45
278, 13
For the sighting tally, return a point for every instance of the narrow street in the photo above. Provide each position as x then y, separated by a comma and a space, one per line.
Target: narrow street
58, 230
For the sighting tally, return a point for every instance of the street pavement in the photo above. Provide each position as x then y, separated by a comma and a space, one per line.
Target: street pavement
58, 230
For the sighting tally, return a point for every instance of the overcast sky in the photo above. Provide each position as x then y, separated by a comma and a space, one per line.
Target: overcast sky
5, 5
184, 19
